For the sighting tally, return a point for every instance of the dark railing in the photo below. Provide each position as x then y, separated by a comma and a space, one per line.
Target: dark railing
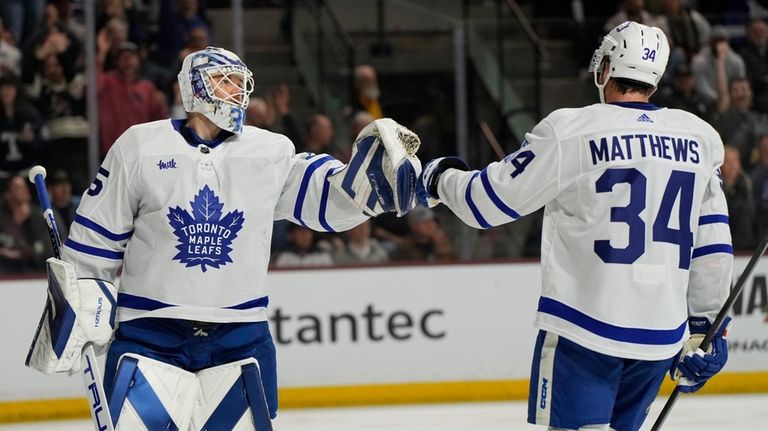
334, 41
541, 55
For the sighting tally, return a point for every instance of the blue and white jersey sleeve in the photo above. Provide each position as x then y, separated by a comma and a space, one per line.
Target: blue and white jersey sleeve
712, 257
104, 220
504, 191
309, 199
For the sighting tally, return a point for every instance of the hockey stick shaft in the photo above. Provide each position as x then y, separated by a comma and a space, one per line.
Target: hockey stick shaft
97, 398
716, 324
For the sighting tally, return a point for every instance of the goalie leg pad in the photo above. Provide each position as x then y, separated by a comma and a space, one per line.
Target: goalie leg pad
232, 398
150, 395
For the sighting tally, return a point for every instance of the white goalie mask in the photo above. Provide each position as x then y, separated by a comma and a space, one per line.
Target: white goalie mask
634, 51
217, 84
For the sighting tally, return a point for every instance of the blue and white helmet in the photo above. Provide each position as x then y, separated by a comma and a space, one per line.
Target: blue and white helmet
199, 89
635, 51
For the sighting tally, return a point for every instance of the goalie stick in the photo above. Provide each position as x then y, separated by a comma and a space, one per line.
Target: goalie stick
97, 399
716, 324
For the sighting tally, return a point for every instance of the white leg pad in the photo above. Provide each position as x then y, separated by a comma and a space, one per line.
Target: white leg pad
231, 398
151, 395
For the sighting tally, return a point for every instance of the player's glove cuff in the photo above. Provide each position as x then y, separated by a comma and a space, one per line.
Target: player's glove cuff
426, 189
693, 366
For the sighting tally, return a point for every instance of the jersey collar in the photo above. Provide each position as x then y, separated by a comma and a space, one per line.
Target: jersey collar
645, 106
179, 124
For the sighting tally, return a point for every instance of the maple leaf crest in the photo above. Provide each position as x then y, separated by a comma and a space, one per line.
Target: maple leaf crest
205, 237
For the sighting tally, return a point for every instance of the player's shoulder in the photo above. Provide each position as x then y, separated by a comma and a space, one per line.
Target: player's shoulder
256, 139
136, 137
688, 120
568, 121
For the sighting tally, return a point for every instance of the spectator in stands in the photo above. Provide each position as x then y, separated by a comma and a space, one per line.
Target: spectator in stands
197, 40
259, 113
125, 11
682, 94
760, 186
177, 18
755, 55
360, 247
688, 29
740, 198
19, 130
279, 99
303, 250
113, 35
633, 10
319, 135
715, 61
68, 20
51, 39
124, 99
61, 102
24, 243
358, 123
738, 125
10, 55
427, 242
21, 17
367, 89
62, 199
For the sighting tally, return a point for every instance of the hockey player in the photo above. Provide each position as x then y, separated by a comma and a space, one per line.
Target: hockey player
636, 253
185, 208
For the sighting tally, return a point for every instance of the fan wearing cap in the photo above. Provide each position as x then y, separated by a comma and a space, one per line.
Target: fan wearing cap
636, 252
125, 98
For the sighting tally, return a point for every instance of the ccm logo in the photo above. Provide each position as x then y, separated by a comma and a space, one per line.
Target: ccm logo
544, 387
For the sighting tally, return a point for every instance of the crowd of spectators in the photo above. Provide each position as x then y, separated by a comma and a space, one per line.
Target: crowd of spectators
717, 72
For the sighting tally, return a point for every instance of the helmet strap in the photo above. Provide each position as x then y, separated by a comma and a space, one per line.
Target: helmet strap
601, 87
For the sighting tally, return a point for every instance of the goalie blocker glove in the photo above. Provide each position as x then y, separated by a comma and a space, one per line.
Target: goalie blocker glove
382, 173
695, 366
427, 187
78, 311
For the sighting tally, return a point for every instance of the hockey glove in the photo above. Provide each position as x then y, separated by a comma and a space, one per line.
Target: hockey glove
695, 366
426, 190
381, 176
78, 311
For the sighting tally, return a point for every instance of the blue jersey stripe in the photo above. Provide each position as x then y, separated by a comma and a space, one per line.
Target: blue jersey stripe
126, 300
253, 303
93, 251
472, 207
324, 202
713, 218
495, 198
305, 185
712, 249
656, 337
101, 230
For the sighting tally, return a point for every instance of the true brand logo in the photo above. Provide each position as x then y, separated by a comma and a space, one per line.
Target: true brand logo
205, 238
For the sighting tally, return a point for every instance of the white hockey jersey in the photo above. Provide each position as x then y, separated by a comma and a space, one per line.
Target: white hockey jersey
192, 225
635, 232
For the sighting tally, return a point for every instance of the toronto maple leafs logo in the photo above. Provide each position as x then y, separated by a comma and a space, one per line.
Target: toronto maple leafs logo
205, 237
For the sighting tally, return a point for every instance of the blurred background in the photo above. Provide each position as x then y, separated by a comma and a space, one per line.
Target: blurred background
469, 76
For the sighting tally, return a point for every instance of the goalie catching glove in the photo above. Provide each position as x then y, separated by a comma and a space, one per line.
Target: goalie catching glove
381, 176
78, 311
695, 366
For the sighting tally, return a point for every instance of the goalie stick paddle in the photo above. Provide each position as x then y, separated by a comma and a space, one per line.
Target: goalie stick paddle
97, 398
716, 324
